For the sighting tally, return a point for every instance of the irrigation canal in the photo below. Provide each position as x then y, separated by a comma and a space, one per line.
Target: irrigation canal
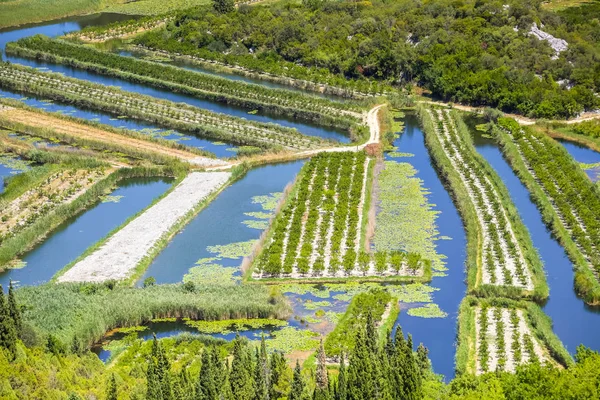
574, 322
437, 334
585, 155
61, 28
75, 235
222, 222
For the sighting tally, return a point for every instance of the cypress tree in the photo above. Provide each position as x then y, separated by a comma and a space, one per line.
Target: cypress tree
111, 390
264, 365
341, 389
278, 366
261, 390
153, 389
297, 384
322, 378
207, 386
360, 370
8, 336
226, 393
163, 369
411, 376
218, 369
187, 386
240, 377
371, 334
14, 311
423, 359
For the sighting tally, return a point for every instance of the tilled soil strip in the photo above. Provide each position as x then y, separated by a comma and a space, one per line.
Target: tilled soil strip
87, 132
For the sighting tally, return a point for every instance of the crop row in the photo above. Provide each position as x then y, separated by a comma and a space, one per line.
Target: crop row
318, 233
166, 113
58, 188
211, 87
502, 257
119, 29
571, 194
504, 340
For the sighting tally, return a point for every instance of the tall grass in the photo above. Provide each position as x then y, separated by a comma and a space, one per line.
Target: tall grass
89, 310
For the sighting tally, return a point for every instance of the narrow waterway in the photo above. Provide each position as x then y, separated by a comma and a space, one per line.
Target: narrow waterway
170, 329
192, 66
54, 30
585, 155
8, 169
574, 322
222, 223
437, 334
75, 235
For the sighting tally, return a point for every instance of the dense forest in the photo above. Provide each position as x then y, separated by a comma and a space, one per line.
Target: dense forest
468, 51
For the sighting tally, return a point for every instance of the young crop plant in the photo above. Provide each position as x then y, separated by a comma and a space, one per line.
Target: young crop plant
501, 334
504, 259
568, 200
168, 114
206, 86
317, 234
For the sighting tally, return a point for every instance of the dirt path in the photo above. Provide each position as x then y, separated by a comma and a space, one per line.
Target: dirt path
81, 131
370, 119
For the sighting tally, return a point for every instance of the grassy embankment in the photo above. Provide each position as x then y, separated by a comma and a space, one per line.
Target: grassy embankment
586, 283
28, 237
466, 207
236, 173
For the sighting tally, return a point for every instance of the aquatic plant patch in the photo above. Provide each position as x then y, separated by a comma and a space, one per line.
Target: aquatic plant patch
405, 220
288, 339
234, 325
14, 163
209, 271
427, 311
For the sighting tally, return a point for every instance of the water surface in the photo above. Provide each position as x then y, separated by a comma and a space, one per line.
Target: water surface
437, 334
74, 236
220, 223
175, 328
